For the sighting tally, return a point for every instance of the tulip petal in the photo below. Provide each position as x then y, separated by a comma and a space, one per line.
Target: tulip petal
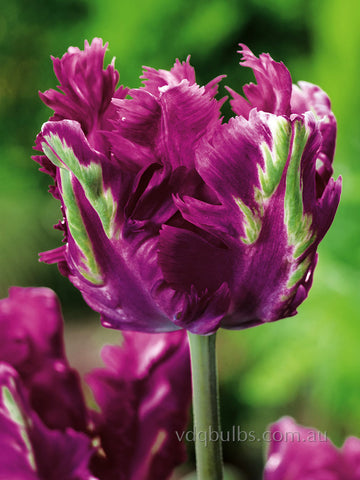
306, 97
244, 165
35, 348
351, 455
273, 90
202, 313
144, 394
96, 254
188, 114
85, 88
154, 79
83, 163
186, 259
17, 458
297, 453
135, 130
29, 450
165, 119
263, 171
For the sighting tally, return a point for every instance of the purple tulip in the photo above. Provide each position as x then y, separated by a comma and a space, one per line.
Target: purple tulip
46, 430
299, 453
174, 219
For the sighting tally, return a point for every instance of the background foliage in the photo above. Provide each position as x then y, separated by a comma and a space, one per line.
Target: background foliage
307, 366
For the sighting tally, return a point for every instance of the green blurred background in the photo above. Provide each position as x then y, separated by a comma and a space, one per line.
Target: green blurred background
307, 366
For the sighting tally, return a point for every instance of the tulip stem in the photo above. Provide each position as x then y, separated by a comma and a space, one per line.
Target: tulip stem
207, 431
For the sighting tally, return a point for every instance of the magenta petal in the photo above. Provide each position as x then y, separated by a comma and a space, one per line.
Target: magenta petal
32, 342
155, 79
264, 173
351, 456
229, 161
16, 456
214, 219
62, 456
299, 453
327, 205
188, 114
85, 88
188, 260
169, 115
202, 271
97, 256
202, 313
29, 450
310, 97
212, 87
135, 130
273, 90
307, 96
144, 395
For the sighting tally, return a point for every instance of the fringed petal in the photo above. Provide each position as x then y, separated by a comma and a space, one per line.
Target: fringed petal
272, 92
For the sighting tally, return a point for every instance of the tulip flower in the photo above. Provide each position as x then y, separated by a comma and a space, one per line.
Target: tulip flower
175, 219
297, 452
47, 431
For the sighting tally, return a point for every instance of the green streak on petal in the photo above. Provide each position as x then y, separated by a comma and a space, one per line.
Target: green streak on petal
298, 273
90, 178
269, 176
298, 223
78, 231
12, 407
275, 158
19, 418
252, 223
293, 195
51, 155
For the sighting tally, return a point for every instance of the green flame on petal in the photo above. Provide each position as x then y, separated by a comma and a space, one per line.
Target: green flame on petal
101, 199
275, 159
90, 270
288, 139
89, 176
19, 418
269, 176
252, 223
298, 223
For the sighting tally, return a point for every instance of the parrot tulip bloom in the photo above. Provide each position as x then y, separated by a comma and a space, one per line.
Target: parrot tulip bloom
298, 453
46, 430
174, 219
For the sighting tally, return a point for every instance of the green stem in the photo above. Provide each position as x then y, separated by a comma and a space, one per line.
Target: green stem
206, 407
